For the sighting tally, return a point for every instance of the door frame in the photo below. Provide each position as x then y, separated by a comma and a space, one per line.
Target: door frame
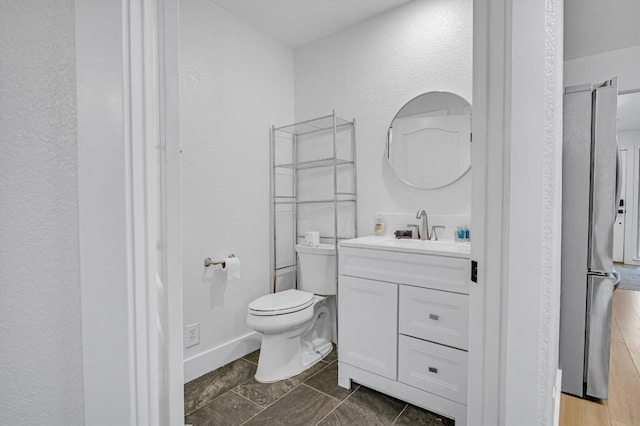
114, 176
624, 157
516, 212
632, 200
128, 202
632, 207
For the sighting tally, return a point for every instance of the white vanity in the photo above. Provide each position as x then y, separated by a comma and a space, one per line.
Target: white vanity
403, 324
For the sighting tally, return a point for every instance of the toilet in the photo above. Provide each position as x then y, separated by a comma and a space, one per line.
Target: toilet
296, 324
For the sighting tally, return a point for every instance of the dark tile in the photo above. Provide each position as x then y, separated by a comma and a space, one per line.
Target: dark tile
415, 416
327, 381
302, 406
365, 407
226, 410
253, 356
203, 390
265, 394
332, 356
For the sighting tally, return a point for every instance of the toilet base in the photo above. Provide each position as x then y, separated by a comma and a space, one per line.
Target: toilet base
284, 355
276, 366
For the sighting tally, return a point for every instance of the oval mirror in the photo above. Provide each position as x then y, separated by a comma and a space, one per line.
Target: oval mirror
429, 140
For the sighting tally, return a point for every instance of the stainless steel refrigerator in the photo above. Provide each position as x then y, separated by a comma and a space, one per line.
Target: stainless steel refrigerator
589, 200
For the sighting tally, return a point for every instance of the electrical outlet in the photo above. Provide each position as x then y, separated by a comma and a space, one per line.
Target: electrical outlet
191, 335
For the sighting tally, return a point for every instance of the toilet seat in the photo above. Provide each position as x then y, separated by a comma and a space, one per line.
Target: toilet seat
284, 302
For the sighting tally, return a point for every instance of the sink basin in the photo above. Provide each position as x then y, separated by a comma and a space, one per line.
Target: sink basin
443, 247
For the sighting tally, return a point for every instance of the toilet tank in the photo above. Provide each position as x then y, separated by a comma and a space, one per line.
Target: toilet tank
317, 266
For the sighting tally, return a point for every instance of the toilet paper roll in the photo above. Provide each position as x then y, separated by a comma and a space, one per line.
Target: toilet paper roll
232, 267
312, 238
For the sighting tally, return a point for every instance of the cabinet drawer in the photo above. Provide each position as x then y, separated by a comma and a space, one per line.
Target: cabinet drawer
434, 368
429, 271
434, 315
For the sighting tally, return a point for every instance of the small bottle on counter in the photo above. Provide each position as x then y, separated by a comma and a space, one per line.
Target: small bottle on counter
463, 234
378, 224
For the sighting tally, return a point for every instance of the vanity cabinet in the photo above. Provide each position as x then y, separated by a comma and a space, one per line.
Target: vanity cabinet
403, 326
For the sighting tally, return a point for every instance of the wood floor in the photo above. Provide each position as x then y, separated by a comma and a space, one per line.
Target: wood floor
623, 406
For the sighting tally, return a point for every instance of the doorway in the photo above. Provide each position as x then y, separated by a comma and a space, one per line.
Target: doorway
626, 241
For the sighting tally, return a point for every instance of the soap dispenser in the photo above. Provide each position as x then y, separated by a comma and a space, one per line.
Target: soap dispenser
378, 226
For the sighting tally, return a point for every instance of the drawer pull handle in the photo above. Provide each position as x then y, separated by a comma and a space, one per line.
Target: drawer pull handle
433, 317
433, 370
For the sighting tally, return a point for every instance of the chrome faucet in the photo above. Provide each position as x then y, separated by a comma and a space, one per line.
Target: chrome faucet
434, 231
415, 232
424, 230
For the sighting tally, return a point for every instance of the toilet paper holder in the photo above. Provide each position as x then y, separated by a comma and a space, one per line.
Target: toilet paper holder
209, 262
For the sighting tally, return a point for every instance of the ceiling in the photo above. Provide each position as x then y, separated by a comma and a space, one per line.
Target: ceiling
298, 22
597, 26
591, 26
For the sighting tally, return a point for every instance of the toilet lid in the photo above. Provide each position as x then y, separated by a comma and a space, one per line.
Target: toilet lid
283, 302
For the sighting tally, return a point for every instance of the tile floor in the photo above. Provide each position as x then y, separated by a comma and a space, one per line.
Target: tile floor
231, 396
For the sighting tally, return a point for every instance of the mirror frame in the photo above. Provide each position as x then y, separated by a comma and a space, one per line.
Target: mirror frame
386, 149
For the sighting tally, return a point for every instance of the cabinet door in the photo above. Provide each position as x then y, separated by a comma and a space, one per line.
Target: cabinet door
368, 325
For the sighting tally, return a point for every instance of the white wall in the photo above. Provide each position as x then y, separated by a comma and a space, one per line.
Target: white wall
369, 72
40, 333
235, 83
622, 63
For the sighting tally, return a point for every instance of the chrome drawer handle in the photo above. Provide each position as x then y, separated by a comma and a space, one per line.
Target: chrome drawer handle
433, 370
433, 317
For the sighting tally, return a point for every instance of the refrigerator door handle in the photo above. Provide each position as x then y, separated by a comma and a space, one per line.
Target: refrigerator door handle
616, 279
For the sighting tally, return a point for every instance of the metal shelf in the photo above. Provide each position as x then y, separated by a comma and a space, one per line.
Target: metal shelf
330, 237
315, 125
314, 201
322, 162
330, 123
280, 268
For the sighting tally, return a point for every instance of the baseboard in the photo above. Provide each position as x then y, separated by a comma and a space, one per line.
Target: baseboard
557, 394
214, 358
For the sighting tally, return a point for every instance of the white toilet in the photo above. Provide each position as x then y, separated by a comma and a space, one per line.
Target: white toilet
296, 324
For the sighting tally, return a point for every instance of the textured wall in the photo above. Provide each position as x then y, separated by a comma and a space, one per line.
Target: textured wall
535, 206
40, 335
234, 84
549, 309
369, 72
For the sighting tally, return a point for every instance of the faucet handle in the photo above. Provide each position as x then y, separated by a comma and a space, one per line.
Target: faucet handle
416, 232
434, 228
